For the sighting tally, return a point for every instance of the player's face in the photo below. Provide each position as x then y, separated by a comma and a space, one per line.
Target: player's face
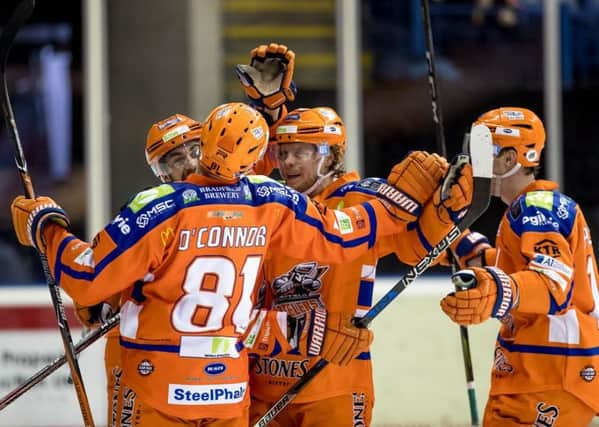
298, 163
182, 161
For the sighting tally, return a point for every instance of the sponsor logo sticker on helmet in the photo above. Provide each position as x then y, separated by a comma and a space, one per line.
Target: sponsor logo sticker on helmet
332, 129
513, 115
169, 123
286, 129
499, 130
222, 112
179, 130
145, 367
323, 149
258, 132
291, 117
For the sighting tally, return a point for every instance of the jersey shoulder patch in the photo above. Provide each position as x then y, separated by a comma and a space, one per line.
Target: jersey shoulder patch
145, 197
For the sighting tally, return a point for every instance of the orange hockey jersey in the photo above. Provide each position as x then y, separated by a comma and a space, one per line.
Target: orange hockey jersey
297, 283
194, 250
551, 340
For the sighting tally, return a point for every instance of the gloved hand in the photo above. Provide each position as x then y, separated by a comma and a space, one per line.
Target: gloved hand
454, 197
469, 249
343, 341
412, 182
489, 292
268, 79
96, 314
29, 217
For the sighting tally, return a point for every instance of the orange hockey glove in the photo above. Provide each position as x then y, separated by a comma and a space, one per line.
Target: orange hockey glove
29, 217
268, 79
411, 183
344, 341
454, 197
489, 292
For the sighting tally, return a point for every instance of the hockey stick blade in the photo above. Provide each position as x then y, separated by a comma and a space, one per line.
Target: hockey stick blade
16, 21
480, 202
49, 369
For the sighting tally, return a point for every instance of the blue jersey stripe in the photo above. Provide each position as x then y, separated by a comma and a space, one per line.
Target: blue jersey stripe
58, 266
542, 349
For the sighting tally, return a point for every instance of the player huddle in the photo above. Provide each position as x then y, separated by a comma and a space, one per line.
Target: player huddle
231, 285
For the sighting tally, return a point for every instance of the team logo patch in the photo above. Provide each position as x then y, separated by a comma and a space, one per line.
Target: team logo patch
189, 196
501, 363
588, 373
547, 247
145, 367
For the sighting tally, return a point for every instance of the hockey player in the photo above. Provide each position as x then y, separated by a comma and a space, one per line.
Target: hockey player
540, 281
197, 247
310, 146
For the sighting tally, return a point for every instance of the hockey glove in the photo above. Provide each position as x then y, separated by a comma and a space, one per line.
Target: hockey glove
267, 80
454, 197
97, 314
304, 333
488, 292
469, 249
29, 217
412, 182
343, 341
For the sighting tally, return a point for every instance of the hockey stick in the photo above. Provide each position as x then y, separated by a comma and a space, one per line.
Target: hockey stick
47, 370
482, 167
441, 148
18, 18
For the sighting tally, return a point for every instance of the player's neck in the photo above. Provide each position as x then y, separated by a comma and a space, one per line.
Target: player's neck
513, 186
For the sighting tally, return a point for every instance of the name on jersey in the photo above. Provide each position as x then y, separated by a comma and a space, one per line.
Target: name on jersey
182, 394
222, 237
281, 367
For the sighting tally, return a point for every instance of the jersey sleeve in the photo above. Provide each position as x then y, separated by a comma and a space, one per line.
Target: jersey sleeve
87, 272
308, 229
545, 284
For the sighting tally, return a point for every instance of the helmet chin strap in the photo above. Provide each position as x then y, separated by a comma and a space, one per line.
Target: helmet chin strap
509, 173
498, 178
321, 178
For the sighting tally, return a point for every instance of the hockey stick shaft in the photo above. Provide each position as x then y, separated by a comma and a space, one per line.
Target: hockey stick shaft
442, 148
479, 205
432, 79
49, 369
18, 18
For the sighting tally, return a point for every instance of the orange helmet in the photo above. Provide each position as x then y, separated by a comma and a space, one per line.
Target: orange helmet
234, 138
517, 128
320, 125
166, 135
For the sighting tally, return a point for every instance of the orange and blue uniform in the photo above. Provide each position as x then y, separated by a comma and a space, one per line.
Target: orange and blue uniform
339, 395
194, 250
550, 341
